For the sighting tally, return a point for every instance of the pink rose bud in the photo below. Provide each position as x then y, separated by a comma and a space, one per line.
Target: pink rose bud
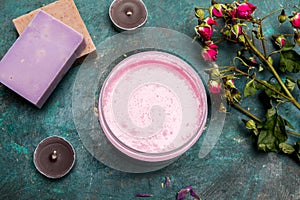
211, 45
252, 59
204, 31
232, 13
280, 40
210, 21
216, 10
245, 10
214, 87
295, 21
210, 52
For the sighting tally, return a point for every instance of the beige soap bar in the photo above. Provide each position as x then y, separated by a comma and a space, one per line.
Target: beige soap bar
65, 11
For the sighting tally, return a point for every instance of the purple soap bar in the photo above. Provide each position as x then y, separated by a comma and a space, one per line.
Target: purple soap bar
40, 57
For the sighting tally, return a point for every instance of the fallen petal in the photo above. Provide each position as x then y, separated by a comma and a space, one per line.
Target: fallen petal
193, 194
143, 195
182, 193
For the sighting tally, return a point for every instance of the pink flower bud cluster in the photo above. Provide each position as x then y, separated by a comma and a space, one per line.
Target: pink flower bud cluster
230, 12
205, 30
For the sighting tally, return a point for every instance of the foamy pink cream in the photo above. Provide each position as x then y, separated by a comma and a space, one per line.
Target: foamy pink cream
153, 103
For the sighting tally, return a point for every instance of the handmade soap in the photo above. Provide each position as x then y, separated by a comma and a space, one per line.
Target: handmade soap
65, 11
40, 57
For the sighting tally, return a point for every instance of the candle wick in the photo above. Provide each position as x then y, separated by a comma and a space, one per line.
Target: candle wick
129, 13
54, 155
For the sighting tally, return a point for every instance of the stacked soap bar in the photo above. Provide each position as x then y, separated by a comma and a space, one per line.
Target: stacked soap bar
65, 11
40, 57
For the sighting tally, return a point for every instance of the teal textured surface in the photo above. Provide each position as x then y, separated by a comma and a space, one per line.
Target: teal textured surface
232, 170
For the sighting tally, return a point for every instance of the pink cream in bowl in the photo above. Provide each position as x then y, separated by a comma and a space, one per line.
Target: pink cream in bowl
153, 106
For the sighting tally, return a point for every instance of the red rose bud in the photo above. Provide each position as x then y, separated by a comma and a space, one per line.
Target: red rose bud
210, 52
211, 45
210, 21
253, 62
232, 13
245, 10
214, 87
282, 17
297, 38
216, 10
204, 31
280, 41
295, 21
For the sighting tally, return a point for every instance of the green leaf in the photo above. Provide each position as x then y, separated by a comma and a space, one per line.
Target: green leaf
270, 112
272, 133
290, 83
241, 38
289, 61
298, 83
286, 148
250, 89
260, 68
251, 125
271, 93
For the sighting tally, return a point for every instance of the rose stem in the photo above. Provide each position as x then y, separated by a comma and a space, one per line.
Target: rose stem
272, 70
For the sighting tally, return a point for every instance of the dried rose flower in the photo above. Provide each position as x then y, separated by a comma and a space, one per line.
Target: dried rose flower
214, 87
295, 20
245, 10
204, 31
216, 10
279, 40
210, 52
210, 21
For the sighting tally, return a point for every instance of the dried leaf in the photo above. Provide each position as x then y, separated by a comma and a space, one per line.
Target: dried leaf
250, 89
288, 45
289, 61
272, 133
290, 83
286, 148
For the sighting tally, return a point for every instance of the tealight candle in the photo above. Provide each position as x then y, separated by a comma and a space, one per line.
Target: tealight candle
54, 157
128, 14
153, 106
